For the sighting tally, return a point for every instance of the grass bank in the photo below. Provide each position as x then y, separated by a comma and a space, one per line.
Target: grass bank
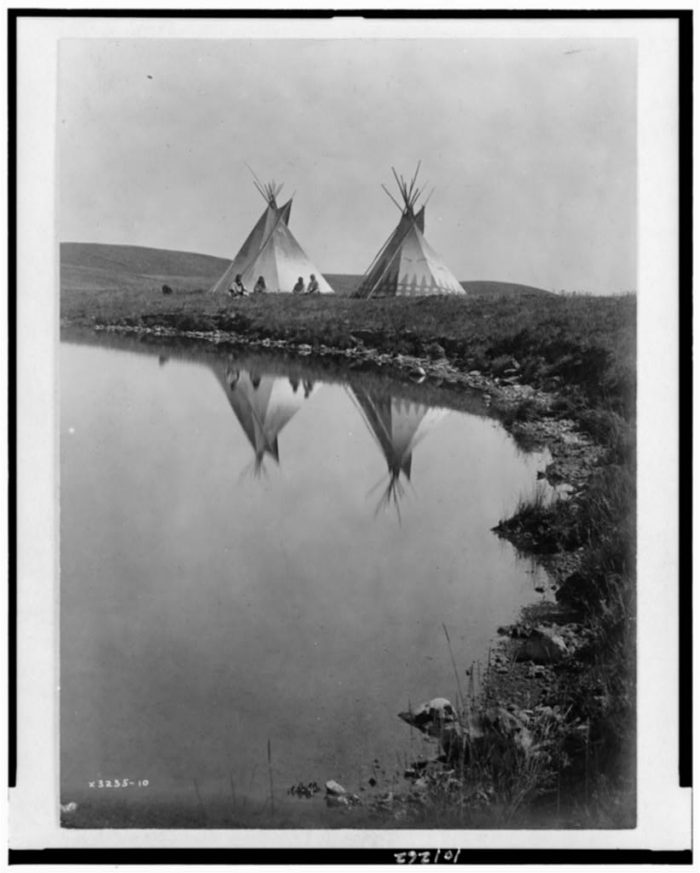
584, 344
562, 370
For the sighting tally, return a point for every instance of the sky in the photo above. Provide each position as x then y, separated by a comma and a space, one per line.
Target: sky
530, 145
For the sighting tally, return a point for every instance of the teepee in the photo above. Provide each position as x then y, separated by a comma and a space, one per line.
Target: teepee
397, 425
263, 405
406, 264
271, 251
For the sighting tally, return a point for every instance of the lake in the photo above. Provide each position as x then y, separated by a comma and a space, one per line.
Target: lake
256, 551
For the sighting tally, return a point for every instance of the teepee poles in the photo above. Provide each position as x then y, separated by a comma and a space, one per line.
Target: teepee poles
258, 184
415, 175
270, 191
410, 192
399, 182
427, 199
389, 195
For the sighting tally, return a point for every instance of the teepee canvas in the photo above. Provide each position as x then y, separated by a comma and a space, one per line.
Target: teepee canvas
406, 264
263, 405
271, 251
397, 425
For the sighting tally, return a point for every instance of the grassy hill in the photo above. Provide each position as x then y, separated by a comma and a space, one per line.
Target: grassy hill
94, 266
138, 259
86, 266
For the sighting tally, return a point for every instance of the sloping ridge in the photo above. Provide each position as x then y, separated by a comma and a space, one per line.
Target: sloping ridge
139, 260
486, 288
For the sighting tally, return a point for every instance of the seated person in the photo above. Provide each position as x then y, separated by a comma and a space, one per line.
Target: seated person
299, 287
238, 289
313, 285
260, 286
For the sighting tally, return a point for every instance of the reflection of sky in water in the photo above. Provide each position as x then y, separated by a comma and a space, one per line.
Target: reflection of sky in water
205, 610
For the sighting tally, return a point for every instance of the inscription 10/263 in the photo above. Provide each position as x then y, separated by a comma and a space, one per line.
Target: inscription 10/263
118, 783
431, 856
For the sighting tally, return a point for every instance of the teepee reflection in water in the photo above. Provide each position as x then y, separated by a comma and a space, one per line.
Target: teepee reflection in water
398, 425
263, 405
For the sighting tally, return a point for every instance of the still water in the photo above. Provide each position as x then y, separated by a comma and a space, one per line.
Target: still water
253, 552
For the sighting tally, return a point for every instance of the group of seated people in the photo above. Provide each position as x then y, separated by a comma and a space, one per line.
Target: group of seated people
238, 289
311, 288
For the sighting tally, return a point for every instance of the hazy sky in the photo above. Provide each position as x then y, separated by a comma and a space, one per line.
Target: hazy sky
530, 144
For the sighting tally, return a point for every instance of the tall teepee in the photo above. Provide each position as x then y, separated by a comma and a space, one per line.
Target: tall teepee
263, 405
406, 264
398, 425
271, 251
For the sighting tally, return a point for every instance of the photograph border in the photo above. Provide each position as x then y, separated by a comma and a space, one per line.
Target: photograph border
355, 854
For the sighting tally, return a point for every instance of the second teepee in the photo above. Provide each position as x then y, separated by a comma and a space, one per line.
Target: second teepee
406, 264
